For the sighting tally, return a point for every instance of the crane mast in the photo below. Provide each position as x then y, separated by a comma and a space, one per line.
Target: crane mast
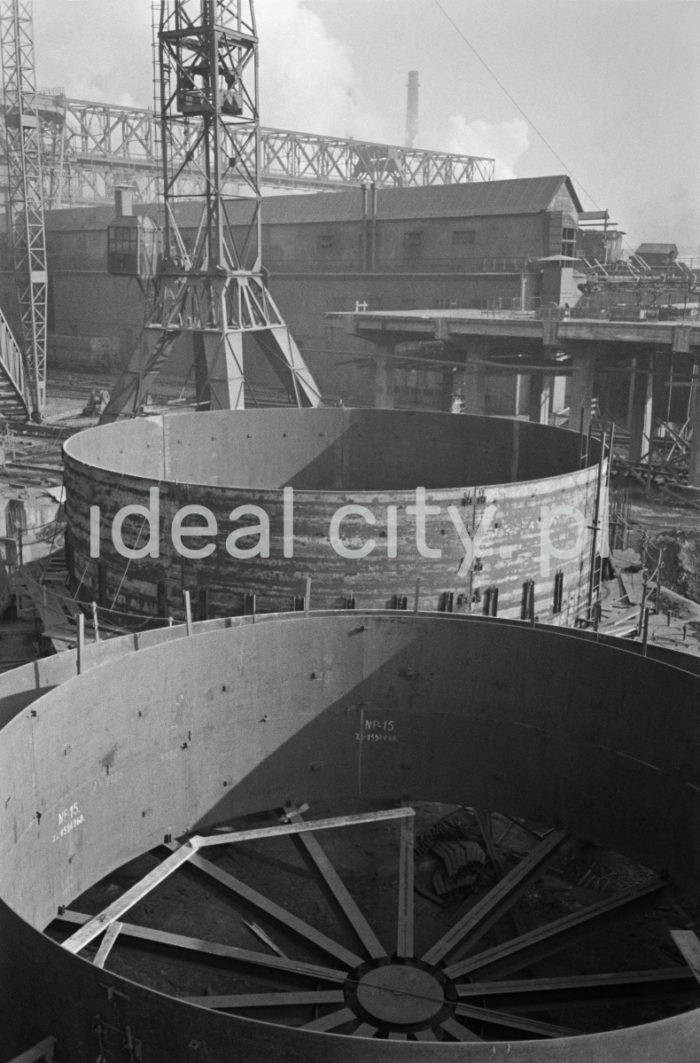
211, 288
25, 195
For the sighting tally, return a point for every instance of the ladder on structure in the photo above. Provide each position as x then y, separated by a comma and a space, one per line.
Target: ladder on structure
14, 405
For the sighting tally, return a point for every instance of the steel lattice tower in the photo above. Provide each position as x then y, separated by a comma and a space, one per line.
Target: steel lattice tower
26, 220
214, 290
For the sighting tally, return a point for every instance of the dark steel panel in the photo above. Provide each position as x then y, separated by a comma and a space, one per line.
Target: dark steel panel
503, 478
21, 686
326, 449
194, 731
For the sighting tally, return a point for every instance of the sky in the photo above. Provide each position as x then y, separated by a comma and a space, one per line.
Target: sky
607, 91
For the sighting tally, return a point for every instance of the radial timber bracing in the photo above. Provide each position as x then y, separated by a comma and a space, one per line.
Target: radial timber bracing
426, 923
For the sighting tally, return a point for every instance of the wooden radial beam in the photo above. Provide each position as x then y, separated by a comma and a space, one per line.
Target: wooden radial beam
185, 852
370, 991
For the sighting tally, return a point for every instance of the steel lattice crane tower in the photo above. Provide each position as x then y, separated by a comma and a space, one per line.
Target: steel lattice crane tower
214, 290
26, 210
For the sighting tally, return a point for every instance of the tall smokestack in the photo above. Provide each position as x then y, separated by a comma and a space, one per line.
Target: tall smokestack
412, 109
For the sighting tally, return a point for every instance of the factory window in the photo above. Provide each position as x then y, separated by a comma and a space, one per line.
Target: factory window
326, 240
133, 246
122, 239
568, 242
463, 237
413, 240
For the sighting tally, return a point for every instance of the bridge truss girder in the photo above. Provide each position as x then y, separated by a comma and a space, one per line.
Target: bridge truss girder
90, 147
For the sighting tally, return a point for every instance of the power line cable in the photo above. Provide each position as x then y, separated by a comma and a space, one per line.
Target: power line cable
515, 103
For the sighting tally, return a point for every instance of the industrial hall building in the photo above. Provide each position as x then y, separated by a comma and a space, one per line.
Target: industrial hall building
496, 245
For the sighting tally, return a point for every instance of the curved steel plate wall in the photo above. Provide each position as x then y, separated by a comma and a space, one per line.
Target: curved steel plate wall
194, 732
329, 496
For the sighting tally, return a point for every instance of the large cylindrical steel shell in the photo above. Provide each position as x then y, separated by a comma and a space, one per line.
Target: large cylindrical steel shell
243, 717
335, 505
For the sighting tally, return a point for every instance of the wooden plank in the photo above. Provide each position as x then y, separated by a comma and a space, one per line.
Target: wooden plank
404, 934
514, 1022
332, 1021
263, 936
298, 826
544, 941
425, 1035
100, 922
43, 1050
537, 994
219, 951
633, 582
364, 1030
339, 891
275, 911
689, 946
132, 896
459, 1032
564, 982
61, 634
106, 944
236, 1001
486, 827
499, 899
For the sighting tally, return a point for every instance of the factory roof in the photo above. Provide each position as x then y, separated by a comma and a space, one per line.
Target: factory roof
657, 249
527, 195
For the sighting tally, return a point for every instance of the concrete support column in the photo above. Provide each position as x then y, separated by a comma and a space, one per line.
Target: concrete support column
580, 391
640, 409
474, 380
383, 383
541, 390
558, 394
694, 454
540, 397
521, 393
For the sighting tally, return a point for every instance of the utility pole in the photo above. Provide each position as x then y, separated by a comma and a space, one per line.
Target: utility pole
212, 290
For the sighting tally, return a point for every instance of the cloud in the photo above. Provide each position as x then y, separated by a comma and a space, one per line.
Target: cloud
678, 222
506, 142
309, 81
307, 78
95, 50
